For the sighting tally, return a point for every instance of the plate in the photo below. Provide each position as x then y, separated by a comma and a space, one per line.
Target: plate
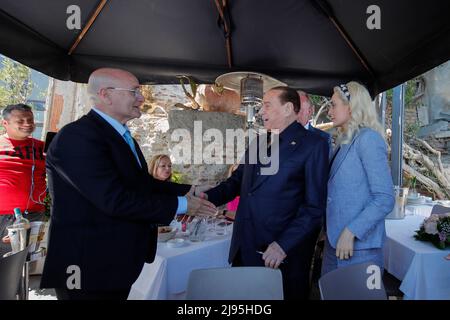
417, 201
176, 243
166, 233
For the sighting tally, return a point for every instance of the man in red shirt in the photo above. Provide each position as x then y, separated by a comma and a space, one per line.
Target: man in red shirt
22, 169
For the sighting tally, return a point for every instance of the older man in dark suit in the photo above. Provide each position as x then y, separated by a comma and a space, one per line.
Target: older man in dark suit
106, 207
279, 215
305, 115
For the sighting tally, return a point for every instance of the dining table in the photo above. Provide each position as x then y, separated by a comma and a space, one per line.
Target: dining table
423, 269
166, 278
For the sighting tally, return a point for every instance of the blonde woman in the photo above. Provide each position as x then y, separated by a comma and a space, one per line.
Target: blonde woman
161, 167
360, 189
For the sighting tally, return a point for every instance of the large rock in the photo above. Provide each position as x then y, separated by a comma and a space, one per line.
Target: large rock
433, 128
437, 92
203, 135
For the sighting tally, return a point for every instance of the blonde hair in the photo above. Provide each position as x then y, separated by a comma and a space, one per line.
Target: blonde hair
362, 112
154, 163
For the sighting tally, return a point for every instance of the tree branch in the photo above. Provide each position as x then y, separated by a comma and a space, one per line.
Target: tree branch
412, 154
427, 182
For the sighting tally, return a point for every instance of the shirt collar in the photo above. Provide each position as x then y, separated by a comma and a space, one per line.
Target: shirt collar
120, 128
308, 125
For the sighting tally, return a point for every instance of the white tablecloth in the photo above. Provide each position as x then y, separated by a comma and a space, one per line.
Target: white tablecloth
423, 269
167, 277
419, 210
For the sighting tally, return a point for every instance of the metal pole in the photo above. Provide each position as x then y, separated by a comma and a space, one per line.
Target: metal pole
383, 110
24, 282
398, 106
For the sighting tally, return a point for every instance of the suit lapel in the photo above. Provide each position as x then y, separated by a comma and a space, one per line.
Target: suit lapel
342, 154
141, 157
285, 149
256, 177
121, 143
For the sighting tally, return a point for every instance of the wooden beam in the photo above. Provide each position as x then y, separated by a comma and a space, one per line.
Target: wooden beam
220, 7
351, 45
87, 26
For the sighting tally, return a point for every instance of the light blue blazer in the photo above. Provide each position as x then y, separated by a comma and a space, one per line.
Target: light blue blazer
360, 191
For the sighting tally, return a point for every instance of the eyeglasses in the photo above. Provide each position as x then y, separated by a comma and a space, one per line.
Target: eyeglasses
137, 92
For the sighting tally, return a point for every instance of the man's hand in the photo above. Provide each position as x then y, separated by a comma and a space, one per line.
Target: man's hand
191, 190
199, 191
273, 256
344, 247
6, 239
198, 206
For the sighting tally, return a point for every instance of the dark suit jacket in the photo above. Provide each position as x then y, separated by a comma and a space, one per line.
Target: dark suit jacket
287, 207
323, 134
106, 208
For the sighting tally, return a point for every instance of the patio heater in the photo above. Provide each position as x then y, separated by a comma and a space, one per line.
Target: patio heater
251, 87
251, 99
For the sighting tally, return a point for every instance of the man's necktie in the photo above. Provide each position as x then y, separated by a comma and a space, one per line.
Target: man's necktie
129, 140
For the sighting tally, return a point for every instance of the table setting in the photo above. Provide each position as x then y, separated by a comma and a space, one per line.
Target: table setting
188, 243
415, 249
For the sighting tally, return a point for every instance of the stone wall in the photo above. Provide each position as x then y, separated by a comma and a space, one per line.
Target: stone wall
211, 143
434, 112
410, 116
67, 101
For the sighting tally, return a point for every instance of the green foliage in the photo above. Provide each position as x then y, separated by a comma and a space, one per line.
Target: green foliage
413, 182
412, 129
15, 82
192, 84
316, 100
178, 177
410, 93
194, 88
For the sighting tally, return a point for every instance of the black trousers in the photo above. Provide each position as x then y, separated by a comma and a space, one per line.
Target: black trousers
66, 294
295, 273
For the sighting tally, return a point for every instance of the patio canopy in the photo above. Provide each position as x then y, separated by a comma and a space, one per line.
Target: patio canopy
308, 44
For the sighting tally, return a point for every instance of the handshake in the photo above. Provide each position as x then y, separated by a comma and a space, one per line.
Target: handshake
198, 203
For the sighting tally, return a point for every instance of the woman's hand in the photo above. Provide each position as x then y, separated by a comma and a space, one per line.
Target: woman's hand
344, 247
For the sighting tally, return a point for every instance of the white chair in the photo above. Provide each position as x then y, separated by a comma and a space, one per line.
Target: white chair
236, 283
355, 282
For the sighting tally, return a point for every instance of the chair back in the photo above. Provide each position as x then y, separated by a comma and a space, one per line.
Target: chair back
236, 283
355, 282
11, 268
